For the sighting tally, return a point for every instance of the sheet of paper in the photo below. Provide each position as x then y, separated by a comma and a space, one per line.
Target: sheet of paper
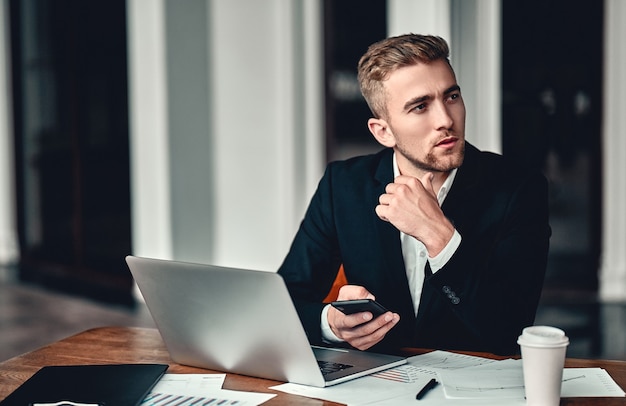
363, 391
589, 382
189, 383
438, 360
505, 379
393, 386
205, 389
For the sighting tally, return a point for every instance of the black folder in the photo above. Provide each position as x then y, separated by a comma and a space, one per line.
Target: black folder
110, 385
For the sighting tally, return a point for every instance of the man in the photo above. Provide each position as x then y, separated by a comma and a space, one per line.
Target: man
453, 241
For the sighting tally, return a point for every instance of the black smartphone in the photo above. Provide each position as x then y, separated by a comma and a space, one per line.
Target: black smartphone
359, 305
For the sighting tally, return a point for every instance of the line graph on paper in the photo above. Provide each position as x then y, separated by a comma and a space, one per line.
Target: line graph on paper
503, 387
449, 361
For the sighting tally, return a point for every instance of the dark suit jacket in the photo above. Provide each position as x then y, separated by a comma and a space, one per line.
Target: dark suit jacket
480, 300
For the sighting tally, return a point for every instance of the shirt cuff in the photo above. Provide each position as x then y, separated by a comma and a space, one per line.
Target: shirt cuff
444, 256
327, 333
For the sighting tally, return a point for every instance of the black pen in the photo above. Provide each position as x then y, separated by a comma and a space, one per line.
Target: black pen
431, 384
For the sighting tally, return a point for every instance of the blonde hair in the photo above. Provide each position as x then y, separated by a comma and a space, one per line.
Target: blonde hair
392, 53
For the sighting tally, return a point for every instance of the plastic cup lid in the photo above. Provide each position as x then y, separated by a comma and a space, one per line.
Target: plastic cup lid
543, 336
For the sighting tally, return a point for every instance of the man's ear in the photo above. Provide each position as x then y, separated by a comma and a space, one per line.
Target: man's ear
382, 132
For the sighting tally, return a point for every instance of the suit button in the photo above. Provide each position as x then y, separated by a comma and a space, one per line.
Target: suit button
454, 299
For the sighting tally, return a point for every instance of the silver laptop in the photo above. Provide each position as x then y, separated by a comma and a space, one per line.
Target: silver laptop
241, 321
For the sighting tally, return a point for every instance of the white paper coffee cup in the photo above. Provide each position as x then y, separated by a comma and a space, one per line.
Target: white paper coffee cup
543, 357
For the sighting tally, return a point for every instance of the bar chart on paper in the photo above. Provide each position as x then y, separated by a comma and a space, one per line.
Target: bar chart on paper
403, 374
164, 399
200, 390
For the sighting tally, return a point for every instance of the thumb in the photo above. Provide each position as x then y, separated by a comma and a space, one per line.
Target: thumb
427, 181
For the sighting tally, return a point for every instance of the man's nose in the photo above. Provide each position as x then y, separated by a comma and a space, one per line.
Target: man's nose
442, 117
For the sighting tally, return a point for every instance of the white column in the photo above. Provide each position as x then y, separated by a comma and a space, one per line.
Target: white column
8, 227
612, 274
149, 136
267, 129
419, 17
476, 56
190, 141
312, 143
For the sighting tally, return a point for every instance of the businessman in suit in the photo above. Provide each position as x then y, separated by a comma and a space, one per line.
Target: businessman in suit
452, 240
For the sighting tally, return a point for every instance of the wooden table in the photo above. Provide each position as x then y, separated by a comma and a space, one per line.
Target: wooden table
113, 345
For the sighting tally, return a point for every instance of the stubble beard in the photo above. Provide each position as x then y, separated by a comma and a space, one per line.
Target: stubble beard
432, 163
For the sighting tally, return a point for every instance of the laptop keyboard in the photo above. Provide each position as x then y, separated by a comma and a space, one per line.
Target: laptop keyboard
328, 367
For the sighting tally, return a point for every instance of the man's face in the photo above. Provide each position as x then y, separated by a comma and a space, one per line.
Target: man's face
426, 118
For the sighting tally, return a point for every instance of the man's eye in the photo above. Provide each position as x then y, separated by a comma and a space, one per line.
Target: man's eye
419, 107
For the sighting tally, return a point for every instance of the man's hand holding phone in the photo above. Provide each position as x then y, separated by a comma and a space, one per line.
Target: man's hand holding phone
365, 322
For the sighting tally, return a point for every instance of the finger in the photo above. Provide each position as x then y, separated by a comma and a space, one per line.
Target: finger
380, 212
346, 326
402, 185
365, 341
401, 181
350, 292
353, 320
405, 186
363, 324
391, 187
